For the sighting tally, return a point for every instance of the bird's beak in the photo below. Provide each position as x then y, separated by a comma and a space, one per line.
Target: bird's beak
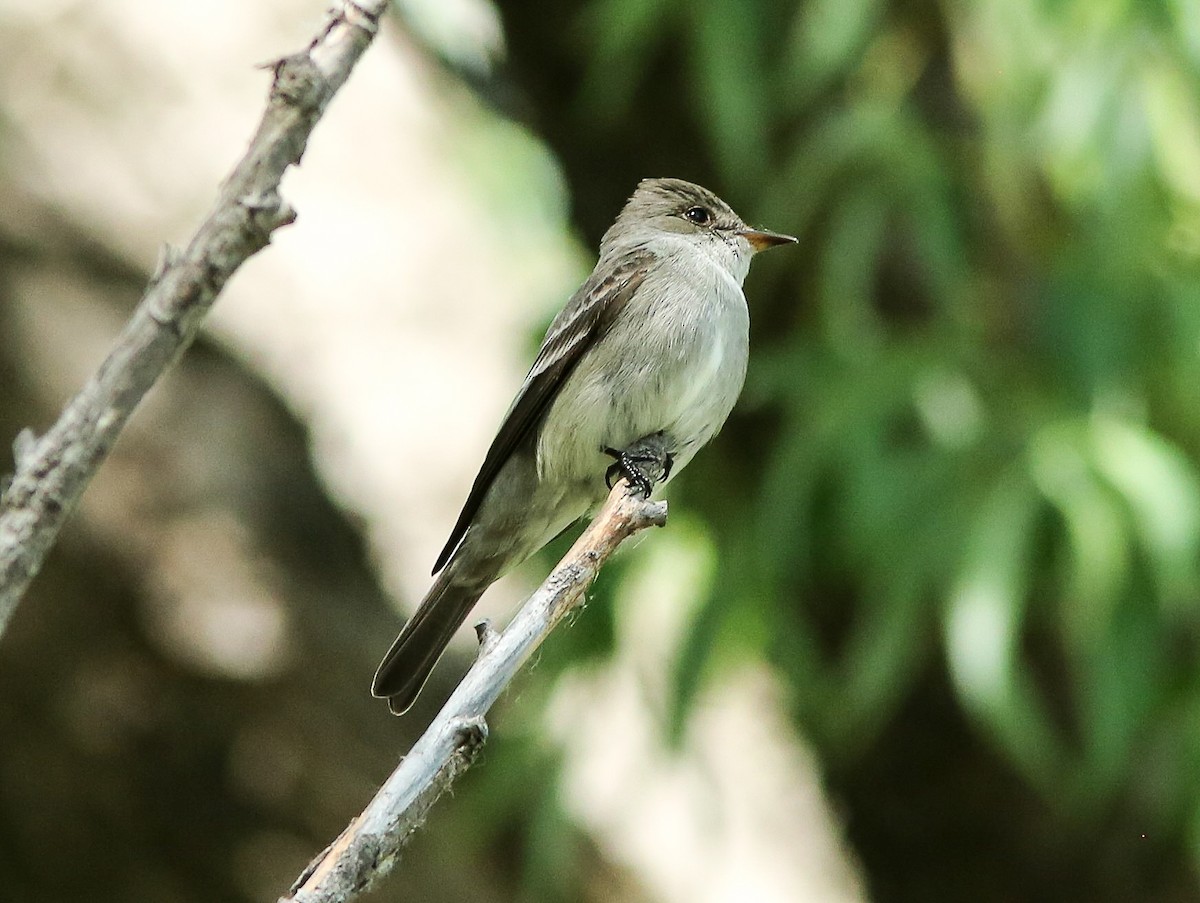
760, 240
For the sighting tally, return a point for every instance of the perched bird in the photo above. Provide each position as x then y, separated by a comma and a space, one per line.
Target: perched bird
653, 344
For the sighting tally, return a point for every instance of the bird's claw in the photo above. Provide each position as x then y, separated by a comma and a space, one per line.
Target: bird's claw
625, 466
643, 464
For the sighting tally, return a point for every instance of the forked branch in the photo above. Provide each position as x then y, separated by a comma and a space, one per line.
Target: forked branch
53, 471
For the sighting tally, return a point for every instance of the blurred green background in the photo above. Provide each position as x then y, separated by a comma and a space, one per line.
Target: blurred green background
959, 504
957, 511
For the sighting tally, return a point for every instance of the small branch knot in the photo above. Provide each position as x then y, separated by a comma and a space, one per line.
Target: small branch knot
470, 734
360, 16
486, 634
24, 448
298, 82
168, 257
267, 211
654, 514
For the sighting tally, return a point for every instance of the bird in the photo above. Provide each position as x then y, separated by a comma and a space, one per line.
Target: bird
653, 345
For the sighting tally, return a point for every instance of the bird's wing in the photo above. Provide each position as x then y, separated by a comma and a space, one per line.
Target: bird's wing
576, 328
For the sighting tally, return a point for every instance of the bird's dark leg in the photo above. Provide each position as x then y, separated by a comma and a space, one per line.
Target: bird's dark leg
643, 463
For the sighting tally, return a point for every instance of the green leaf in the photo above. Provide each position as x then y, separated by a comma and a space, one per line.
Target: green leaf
731, 87
1162, 489
827, 38
620, 36
883, 654
1099, 568
853, 241
984, 618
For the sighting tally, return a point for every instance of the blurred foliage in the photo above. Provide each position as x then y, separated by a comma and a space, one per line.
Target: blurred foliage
967, 453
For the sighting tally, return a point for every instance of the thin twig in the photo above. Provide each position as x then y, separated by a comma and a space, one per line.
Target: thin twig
369, 846
53, 471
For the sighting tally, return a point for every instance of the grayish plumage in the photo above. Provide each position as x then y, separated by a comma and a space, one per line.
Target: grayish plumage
656, 340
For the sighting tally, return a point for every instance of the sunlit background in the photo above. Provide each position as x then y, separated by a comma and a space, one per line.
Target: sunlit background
925, 623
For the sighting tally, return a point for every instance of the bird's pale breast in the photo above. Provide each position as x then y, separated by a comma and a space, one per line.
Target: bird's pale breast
674, 360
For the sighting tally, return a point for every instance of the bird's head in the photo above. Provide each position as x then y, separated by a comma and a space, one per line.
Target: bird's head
678, 208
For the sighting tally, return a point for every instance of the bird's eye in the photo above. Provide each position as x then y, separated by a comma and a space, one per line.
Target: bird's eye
700, 216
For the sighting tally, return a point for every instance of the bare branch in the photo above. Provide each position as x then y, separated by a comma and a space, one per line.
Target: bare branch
52, 472
369, 846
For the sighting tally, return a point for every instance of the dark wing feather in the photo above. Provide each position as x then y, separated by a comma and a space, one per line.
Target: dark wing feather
574, 330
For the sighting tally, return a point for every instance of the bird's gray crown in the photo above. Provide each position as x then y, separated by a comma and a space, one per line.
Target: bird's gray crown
670, 205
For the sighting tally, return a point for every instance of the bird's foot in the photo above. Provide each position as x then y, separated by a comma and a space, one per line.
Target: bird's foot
643, 463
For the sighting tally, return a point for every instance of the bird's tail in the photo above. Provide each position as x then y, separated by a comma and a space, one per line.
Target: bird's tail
422, 641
